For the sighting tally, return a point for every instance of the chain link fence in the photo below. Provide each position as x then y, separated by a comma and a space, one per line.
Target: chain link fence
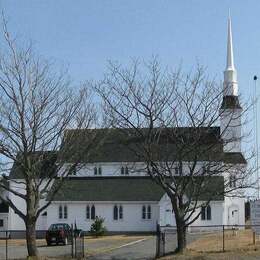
211, 239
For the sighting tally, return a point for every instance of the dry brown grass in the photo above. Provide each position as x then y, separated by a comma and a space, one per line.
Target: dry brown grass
21, 242
240, 240
238, 246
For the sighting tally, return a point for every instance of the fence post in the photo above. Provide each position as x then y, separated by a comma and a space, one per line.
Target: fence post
223, 238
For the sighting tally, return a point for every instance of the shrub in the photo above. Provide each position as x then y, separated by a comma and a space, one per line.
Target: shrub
98, 229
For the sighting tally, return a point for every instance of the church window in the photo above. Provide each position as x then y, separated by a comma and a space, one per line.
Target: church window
63, 212
115, 212
124, 170
99, 170
95, 171
118, 212
93, 212
206, 213
149, 212
146, 212
143, 212
60, 212
87, 212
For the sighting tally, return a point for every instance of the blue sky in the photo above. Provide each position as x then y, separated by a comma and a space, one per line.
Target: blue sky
82, 35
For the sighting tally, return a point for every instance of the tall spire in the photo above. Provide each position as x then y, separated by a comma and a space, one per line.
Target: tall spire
230, 74
230, 57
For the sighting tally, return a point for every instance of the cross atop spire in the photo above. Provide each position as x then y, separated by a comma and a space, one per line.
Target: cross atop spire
230, 57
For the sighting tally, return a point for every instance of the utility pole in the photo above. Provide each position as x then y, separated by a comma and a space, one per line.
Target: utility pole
256, 137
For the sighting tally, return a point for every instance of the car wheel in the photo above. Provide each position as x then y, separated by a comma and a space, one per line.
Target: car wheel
65, 241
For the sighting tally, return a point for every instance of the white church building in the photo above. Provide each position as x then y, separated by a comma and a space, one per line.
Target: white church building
128, 199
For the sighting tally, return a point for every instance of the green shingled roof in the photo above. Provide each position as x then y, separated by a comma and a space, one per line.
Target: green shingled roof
125, 189
109, 189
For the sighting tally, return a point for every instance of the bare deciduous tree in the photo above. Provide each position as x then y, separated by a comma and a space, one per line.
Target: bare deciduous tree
36, 106
172, 119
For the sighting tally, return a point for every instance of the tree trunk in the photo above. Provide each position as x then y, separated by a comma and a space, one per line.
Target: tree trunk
181, 236
31, 238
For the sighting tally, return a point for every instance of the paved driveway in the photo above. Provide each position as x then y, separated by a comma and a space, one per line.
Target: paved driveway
95, 248
141, 250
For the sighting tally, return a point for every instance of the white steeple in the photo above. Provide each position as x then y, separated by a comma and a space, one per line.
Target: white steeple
230, 74
230, 111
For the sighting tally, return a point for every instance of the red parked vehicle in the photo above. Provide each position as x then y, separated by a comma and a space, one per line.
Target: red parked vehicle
59, 233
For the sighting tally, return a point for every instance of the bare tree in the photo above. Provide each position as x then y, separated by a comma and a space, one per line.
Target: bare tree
169, 120
36, 106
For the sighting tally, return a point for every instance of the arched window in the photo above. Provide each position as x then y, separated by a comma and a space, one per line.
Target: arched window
95, 170
99, 170
149, 213
60, 212
65, 212
208, 212
203, 213
126, 170
87, 212
93, 212
122, 170
144, 212
120, 212
115, 212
